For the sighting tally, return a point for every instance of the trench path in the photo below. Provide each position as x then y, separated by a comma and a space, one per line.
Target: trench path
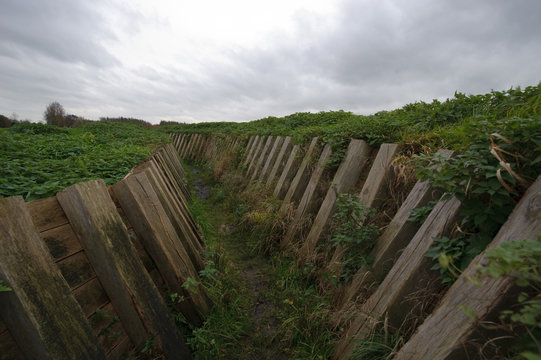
262, 343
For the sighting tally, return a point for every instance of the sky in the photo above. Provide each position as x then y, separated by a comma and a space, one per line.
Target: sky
242, 60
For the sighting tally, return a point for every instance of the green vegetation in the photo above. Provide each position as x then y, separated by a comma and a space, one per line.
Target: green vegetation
522, 260
39, 160
454, 123
266, 305
352, 231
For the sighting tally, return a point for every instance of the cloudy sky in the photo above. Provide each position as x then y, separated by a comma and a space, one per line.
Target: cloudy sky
241, 60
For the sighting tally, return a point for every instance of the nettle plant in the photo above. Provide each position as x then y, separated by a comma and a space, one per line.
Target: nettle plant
353, 232
489, 178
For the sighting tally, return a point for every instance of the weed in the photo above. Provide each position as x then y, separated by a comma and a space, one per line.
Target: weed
4, 287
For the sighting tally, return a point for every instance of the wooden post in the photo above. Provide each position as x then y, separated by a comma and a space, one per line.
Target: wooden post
272, 157
193, 140
409, 274
149, 220
371, 191
251, 151
345, 178
136, 299
248, 149
287, 173
304, 203
449, 328
40, 311
188, 139
182, 228
286, 145
257, 152
261, 159
395, 237
300, 180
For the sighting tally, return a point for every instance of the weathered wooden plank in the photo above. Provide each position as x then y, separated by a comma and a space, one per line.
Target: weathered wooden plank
46, 214
261, 159
197, 147
176, 197
395, 237
190, 243
248, 147
187, 141
272, 157
41, 312
193, 140
345, 178
449, 328
307, 197
146, 214
379, 173
136, 299
279, 162
288, 172
371, 192
257, 153
180, 146
409, 273
61, 241
251, 151
299, 182
76, 269
91, 296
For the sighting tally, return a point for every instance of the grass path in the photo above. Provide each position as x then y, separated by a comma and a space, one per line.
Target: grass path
249, 277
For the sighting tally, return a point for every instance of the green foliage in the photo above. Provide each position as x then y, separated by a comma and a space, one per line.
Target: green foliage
453, 123
38, 160
522, 260
472, 177
353, 232
381, 344
420, 214
4, 287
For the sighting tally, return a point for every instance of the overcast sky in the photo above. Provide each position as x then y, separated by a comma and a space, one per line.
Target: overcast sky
241, 60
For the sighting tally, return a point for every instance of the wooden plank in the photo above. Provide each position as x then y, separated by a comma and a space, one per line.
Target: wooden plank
262, 157
395, 237
251, 150
170, 185
76, 269
61, 241
409, 274
288, 172
307, 198
41, 312
279, 163
91, 296
248, 148
181, 143
371, 192
257, 153
197, 146
190, 243
379, 173
345, 178
136, 299
188, 151
448, 329
272, 157
299, 182
146, 214
46, 214
187, 139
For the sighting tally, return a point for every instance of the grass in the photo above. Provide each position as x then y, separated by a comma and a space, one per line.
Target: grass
267, 306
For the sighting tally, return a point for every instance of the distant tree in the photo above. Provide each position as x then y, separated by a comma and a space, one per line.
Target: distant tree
5, 122
54, 114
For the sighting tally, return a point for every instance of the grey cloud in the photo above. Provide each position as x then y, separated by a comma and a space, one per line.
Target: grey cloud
68, 31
